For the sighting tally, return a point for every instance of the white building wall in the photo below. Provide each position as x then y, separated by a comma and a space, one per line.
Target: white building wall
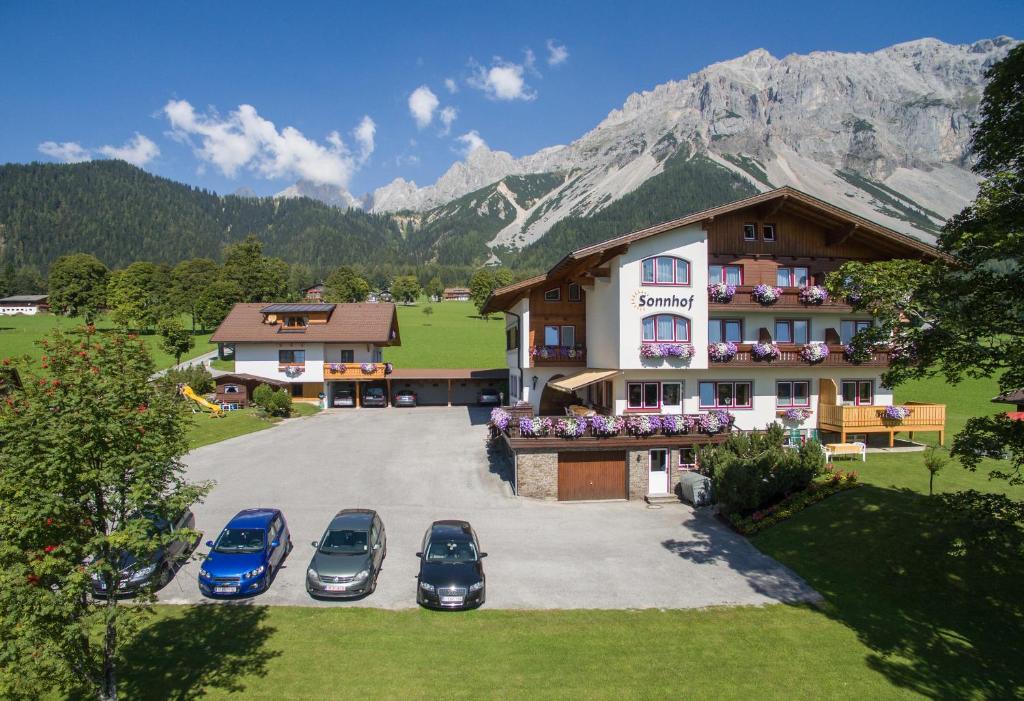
261, 359
361, 352
11, 311
603, 321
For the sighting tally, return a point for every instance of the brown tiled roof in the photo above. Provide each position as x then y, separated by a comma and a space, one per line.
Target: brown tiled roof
243, 377
348, 323
1012, 397
449, 374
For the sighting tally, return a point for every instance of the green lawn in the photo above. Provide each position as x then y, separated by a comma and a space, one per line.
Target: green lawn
454, 336
204, 430
19, 334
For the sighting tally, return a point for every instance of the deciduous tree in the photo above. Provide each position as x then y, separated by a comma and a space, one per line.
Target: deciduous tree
89, 449
345, 285
406, 289
261, 279
78, 285
175, 339
139, 295
188, 279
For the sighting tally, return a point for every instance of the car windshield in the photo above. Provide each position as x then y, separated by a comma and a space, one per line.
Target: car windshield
375, 392
240, 540
345, 542
451, 552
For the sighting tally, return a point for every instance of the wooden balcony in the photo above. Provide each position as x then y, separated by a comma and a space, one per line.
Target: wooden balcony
790, 300
356, 371
571, 356
791, 358
845, 420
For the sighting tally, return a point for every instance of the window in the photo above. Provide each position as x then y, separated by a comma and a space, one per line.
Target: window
725, 395
295, 322
729, 274
291, 357
792, 277
575, 292
230, 389
551, 336
513, 387
851, 327
790, 393
858, 392
642, 395
378, 355
568, 336
671, 394
665, 270
666, 327
297, 389
554, 295
348, 355
792, 330
687, 458
720, 330
512, 338
559, 335
768, 232
750, 232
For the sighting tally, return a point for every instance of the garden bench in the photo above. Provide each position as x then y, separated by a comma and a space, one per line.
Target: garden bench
833, 450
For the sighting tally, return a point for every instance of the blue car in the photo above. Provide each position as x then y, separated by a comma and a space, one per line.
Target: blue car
243, 559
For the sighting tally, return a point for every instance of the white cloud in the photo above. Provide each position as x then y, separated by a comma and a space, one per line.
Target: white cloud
451, 85
66, 151
557, 53
470, 141
530, 61
422, 103
138, 150
447, 116
364, 134
244, 139
502, 81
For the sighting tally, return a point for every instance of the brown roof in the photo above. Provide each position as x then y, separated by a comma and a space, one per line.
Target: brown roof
503, 297
243, 377
348, 323
448, 374
1012, 397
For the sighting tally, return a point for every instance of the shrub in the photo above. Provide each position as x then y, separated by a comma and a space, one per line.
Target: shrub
273, 402
195, 376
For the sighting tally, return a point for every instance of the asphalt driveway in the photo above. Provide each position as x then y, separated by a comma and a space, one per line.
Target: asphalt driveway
418, 465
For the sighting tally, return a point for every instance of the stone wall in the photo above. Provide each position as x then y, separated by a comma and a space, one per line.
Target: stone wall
537, 474
636, 473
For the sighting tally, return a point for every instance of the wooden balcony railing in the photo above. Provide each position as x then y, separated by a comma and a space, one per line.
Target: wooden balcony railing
870, 419
558, 355
356, 371
790, 300
791, 358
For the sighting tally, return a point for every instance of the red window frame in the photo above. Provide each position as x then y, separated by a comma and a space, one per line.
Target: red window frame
792, 274
792, 393
644, 406
856, 394
675, 272
560, 328
723, 277
865, 323
721, 328
716, 383
792, 330
674, 339
683, 465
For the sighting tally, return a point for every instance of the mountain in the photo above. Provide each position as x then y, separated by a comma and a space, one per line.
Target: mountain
884, 134
328, 194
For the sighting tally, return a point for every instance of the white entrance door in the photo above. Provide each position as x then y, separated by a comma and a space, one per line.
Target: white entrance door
657, 479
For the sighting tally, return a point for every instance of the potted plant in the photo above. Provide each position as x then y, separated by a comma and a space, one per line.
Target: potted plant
766, 352
814, 294
814, 352
722, 352
766, 294
721, 292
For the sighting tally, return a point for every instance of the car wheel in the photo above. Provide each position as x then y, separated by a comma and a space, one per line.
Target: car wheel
270, 576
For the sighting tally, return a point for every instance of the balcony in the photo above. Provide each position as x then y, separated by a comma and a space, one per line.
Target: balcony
604, 431
845, 420
356, 371
790, 358
541, 356
790, 300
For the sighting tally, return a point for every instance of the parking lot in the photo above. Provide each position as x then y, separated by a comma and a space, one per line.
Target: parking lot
418, 465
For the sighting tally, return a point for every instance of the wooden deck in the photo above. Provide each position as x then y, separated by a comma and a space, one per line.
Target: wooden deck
845, 420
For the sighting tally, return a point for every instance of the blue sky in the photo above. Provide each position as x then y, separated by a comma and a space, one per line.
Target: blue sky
82, 79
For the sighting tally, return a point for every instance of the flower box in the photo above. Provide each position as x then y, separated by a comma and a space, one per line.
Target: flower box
721, 292
814, 352
765, 352
814, 295
722, 352
766, 295
895, 413
667, 350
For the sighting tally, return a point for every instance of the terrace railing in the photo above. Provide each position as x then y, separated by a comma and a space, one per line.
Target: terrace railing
558, 355
790, 357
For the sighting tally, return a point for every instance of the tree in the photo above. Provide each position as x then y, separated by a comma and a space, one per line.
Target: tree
215, 300
139, 296
260, 279
480, 287
89, 446
406, 289
7, 280
188, 279
175, 339
300, 279
428, 310
345, 285
434, 288
78, 286
272, 401
961, 315
934, 461
27, 281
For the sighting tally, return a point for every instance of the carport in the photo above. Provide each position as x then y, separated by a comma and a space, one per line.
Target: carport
447, 386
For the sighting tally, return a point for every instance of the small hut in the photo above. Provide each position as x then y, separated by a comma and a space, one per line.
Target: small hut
237, 388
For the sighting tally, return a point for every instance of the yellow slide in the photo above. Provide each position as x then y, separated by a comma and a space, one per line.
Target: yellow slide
189, 393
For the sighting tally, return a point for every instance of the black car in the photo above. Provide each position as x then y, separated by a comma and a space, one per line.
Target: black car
375, 396
157, 569
451, 573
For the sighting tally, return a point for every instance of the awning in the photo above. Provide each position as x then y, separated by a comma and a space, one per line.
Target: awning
1016, 415
581, 379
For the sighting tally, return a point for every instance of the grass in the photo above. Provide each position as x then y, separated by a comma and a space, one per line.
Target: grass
224, 365
19, 334
916, 605
204, 430
454, 336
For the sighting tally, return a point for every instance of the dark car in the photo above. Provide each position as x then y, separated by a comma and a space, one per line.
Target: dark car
404, 397
375, 396
246, 554
451, 573
488, 397
155, 570
348, 556
343, 397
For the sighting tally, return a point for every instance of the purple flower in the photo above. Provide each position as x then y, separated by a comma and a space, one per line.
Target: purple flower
814, 294
814, 352
765, 351
766, 294
722, 352
895, 413
715, 421
368, 368
643, 425
606, 425
500, 418
796, 414
570, 427
537, 426
721, 292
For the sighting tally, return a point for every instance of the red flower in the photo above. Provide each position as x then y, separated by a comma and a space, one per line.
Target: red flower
32, 579
49, 548
55, 383
142, 408
49, 522
87, 522
94, 370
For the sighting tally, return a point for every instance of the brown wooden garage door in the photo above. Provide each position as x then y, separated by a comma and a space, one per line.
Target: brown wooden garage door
599, 474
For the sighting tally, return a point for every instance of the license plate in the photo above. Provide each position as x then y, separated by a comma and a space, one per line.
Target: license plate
451, 599
335, 587
225, 590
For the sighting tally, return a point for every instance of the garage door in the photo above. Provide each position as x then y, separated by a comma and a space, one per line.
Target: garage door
599, 474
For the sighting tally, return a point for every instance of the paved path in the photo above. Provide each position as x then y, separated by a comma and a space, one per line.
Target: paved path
418, 465
203, 359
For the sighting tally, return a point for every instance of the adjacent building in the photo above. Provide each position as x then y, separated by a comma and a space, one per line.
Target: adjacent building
455, 294
720, 314
24, 304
